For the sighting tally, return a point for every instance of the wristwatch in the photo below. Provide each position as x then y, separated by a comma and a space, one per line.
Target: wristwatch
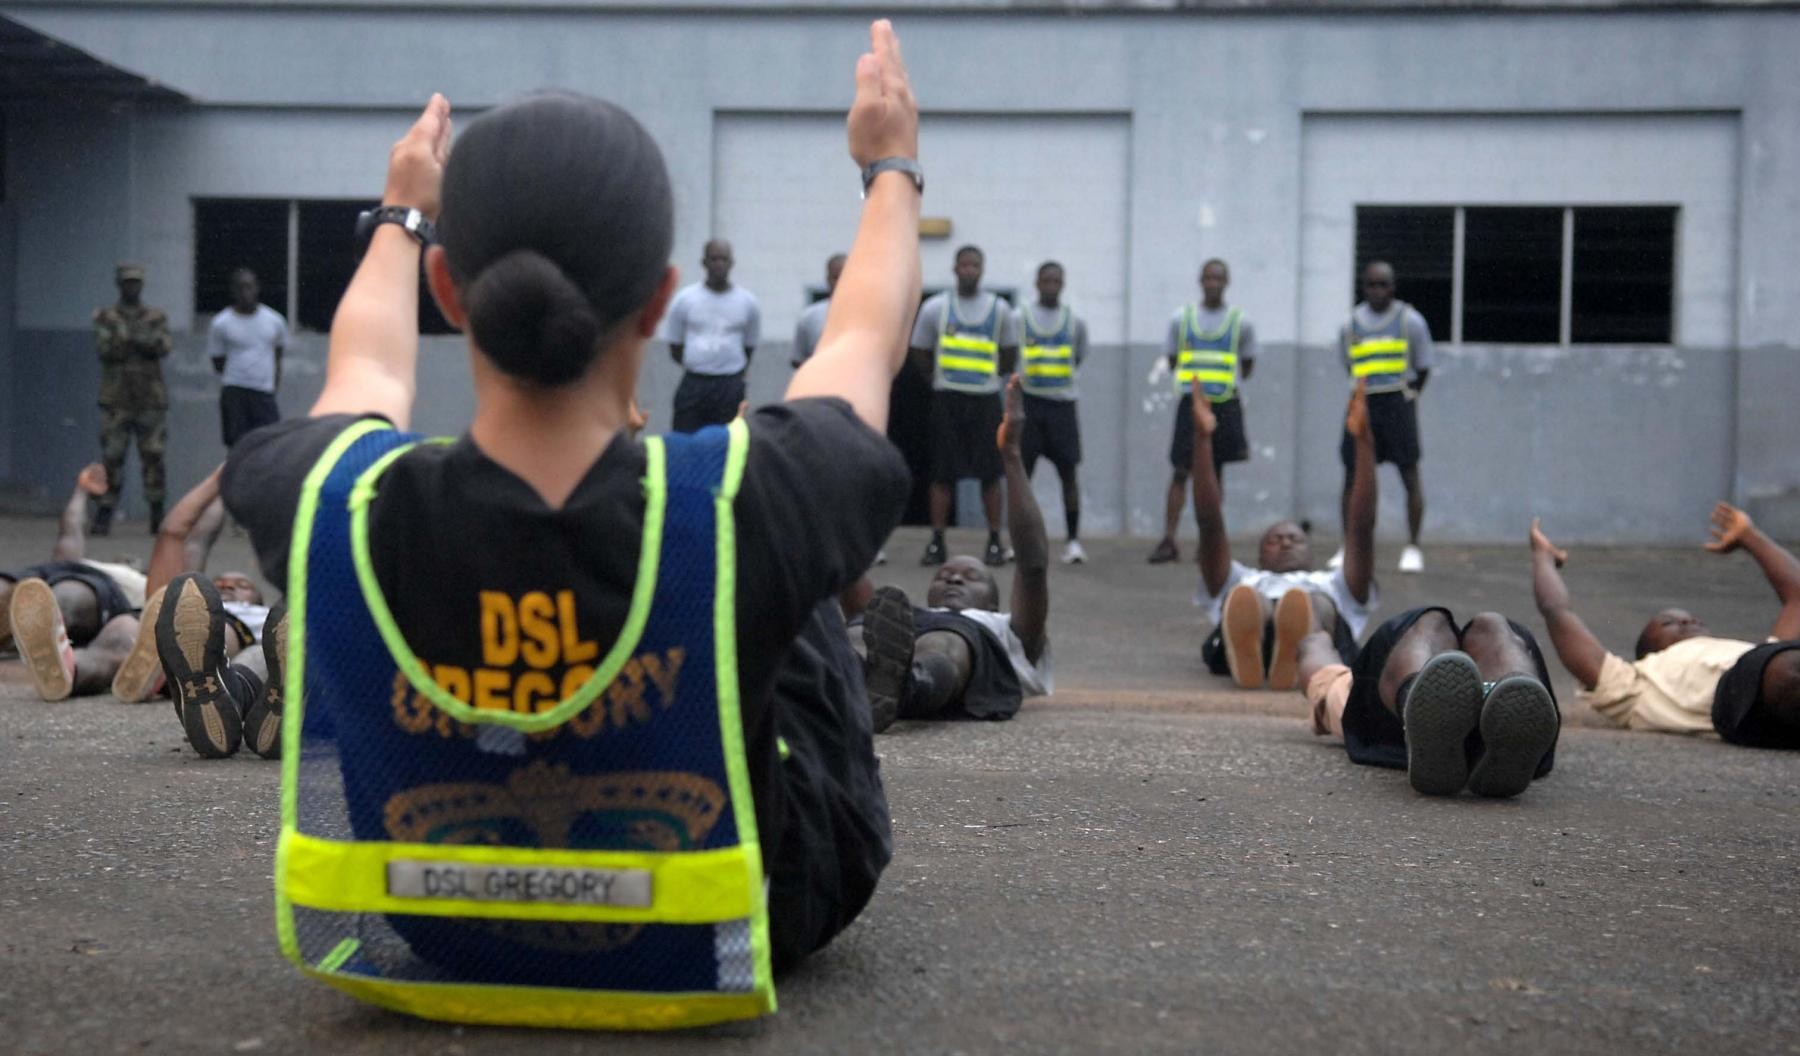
895, 164
411, 220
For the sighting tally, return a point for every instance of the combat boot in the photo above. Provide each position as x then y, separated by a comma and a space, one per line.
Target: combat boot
102, 521
156, 515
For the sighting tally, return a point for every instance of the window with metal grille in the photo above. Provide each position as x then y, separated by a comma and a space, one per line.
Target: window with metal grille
1529, 274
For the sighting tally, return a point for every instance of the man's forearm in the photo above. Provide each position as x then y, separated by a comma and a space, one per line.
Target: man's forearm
1781, 568
1031, 547
1209, 514
1363, 494
1547, 586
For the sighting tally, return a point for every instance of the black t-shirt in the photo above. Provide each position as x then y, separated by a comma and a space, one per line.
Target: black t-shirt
820, 493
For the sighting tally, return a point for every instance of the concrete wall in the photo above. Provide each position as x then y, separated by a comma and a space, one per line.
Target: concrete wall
1625, 444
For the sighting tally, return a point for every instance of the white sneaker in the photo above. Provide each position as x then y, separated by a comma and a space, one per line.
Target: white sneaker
881, 556
1337, 559
1073, 554
1412, 559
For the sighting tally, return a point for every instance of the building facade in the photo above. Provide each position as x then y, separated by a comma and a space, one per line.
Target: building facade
1597, 205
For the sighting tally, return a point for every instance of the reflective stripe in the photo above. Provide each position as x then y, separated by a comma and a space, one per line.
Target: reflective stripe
968, 355
541, 1006
691, 887
1381, 360
974, 363
1209, 359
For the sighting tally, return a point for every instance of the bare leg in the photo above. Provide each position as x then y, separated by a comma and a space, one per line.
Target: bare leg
1317, 652
1429, 635
1324, 612
98, 662
940, 506
1415, 502
1497, 651
990, 504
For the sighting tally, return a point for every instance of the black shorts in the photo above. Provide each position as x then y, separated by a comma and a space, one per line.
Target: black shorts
1052, 431
1394, 420
1212, 650
706, 399
111, 600
1740, 713
1229, 442
993, 691
964, 426
1373, 735
835, 837
241, 410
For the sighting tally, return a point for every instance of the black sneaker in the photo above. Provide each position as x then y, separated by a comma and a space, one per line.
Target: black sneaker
888, 642
102, 522
262, 722
1519, 724
1442, 707
190, 642
1164, 553
934, 553
995, 554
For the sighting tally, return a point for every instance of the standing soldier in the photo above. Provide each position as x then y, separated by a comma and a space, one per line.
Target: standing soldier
1388, 344
133, 338
1053, 342
1211, 349
967, 339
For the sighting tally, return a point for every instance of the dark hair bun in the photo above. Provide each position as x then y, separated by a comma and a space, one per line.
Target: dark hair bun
531, 320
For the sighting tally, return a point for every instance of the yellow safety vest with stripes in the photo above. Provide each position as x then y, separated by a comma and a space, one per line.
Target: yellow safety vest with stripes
1380, 354
968, 354
1208, 359
1049, 357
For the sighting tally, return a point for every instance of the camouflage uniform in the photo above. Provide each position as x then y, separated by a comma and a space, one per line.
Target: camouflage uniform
133, 399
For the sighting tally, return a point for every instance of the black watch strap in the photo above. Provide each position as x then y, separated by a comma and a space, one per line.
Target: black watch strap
410, 220
895, 164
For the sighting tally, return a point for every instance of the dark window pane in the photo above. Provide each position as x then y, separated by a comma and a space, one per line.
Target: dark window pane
1624, 288
327, 258
232, 233
1420, 242
1512, 275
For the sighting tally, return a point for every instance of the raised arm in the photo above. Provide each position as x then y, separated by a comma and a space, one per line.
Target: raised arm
183, 540
1576, 646
1209, 500
865, 336
1031, 548
71, 528
1731, 529
373, 363
1359, 527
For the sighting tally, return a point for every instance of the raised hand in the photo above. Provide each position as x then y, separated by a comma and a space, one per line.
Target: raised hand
416, 164
1012, 427
1540, 543
92, 479
1205, 421
884, 117
1729, 526
1356, 417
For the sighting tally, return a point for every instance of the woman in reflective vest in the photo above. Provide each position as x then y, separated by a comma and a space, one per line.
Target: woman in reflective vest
506, 800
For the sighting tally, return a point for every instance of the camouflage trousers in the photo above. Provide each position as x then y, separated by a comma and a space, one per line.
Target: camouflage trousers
117, 426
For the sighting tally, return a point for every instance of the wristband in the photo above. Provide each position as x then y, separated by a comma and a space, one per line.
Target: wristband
894, 164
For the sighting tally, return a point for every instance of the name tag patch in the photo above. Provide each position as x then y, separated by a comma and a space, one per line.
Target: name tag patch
505, 883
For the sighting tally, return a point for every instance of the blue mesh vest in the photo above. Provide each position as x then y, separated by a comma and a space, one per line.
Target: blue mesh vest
1208, 359
574, 849
1049, 358
1380, 353
968, 353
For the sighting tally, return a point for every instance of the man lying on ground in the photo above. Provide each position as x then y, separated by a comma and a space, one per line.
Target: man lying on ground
1685, 679
1265, 611
960, 655
1455, 707
73, 619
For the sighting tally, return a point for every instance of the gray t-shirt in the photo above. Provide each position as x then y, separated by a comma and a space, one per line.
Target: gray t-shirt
808, 329
968, 310
1044, 321
1419, 351
247, 344
1209, 320
716, 329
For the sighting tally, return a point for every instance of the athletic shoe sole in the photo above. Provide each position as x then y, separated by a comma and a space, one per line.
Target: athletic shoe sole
1293, 621
139, 674
933, 555
190, 642
1242, 632
888, 640
1519, 724
1442, 708
43, 641
262, 723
